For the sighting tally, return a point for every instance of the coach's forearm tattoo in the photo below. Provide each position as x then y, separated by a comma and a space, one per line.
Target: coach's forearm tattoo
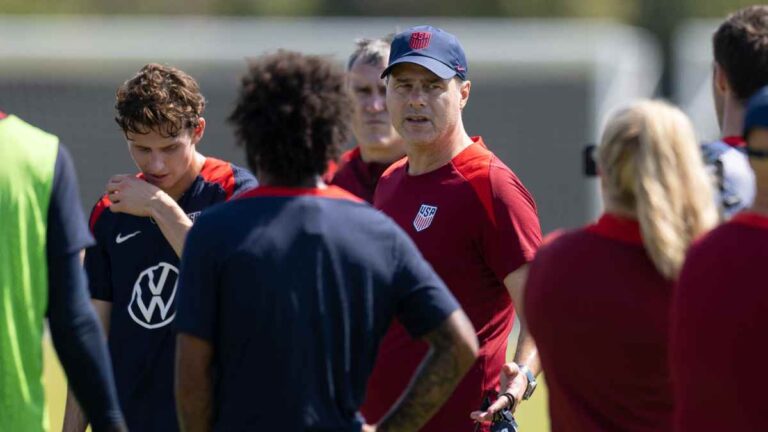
433, 382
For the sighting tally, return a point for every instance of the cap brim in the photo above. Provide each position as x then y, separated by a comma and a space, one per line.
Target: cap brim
436, 67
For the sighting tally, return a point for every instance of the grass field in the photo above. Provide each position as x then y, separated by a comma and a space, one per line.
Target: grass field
532, 417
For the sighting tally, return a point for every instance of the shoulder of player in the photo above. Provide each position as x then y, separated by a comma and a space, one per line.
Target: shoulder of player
98, 213
728, 234
396, 169
492, 181
477, 164
344, 171
347, 160
563, 241
347, 157
230, 177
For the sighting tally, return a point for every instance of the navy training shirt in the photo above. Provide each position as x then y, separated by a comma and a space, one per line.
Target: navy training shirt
295, 288
135, 268
67, 231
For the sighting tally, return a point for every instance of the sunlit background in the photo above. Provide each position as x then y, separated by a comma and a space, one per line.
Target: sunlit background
546, 73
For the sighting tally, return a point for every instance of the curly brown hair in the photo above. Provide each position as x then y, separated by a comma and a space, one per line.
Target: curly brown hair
159, 98
292, 115
741, 49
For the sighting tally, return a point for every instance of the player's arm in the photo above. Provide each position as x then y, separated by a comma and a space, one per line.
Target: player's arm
196, 324
74, 418
139, 198
96, 264
172, 221
526, 353
74, 328
513, 381
194, 383
453, 350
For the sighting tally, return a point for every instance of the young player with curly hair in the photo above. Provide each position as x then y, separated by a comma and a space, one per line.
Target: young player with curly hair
140, 226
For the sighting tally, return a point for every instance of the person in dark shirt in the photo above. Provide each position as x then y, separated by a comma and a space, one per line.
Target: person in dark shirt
140, 226
286, 292
378, 143
41, 237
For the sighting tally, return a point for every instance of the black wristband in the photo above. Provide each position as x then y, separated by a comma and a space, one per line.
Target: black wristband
511, 398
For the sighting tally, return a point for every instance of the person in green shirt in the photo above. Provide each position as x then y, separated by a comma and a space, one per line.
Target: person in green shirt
42, 234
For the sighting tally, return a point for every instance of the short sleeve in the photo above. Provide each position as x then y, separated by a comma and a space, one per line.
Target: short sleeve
423, 300
98, 269
513, 235
197, 303
98, 265
67, 230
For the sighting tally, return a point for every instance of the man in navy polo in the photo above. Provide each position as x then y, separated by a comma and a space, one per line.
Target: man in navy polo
286, 292
140, 226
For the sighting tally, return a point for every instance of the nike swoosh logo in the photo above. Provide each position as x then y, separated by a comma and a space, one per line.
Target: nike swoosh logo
121, 238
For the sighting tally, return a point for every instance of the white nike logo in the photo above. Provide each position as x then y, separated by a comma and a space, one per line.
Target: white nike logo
120, 238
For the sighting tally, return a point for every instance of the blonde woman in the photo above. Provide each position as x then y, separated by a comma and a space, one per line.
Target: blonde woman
597, 299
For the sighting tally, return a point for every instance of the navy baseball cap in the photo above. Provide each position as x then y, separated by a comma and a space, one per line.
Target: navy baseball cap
430, 47
757, 111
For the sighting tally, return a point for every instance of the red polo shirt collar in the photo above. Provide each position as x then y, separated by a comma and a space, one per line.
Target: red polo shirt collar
735, 141
752, 219
617, 228
276, 191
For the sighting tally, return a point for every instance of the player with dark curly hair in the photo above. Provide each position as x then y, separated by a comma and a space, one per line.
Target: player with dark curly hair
290, 118
308, 272
140, 226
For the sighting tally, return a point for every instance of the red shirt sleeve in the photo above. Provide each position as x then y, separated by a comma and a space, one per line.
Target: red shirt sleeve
513, 233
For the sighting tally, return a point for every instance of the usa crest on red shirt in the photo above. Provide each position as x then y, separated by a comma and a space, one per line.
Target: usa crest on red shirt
424, 217
419, 40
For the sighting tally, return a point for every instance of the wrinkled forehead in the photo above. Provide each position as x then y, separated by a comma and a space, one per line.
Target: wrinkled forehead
366, 72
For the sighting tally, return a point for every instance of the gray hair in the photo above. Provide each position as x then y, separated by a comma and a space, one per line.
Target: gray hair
371, 51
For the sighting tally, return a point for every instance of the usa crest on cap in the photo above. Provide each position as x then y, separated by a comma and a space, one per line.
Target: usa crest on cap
420, 40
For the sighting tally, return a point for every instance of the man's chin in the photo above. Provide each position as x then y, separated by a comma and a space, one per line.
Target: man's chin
378, 142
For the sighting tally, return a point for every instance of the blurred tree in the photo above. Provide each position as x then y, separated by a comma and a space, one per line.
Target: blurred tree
653, 13
659, 16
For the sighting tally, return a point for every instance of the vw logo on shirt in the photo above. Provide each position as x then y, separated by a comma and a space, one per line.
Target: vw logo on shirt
154, 293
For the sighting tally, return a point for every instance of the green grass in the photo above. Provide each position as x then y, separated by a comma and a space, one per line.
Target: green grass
532, 416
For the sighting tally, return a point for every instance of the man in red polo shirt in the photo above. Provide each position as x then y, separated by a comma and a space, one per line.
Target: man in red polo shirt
470, 216
739, 70
378, 143
720, 310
